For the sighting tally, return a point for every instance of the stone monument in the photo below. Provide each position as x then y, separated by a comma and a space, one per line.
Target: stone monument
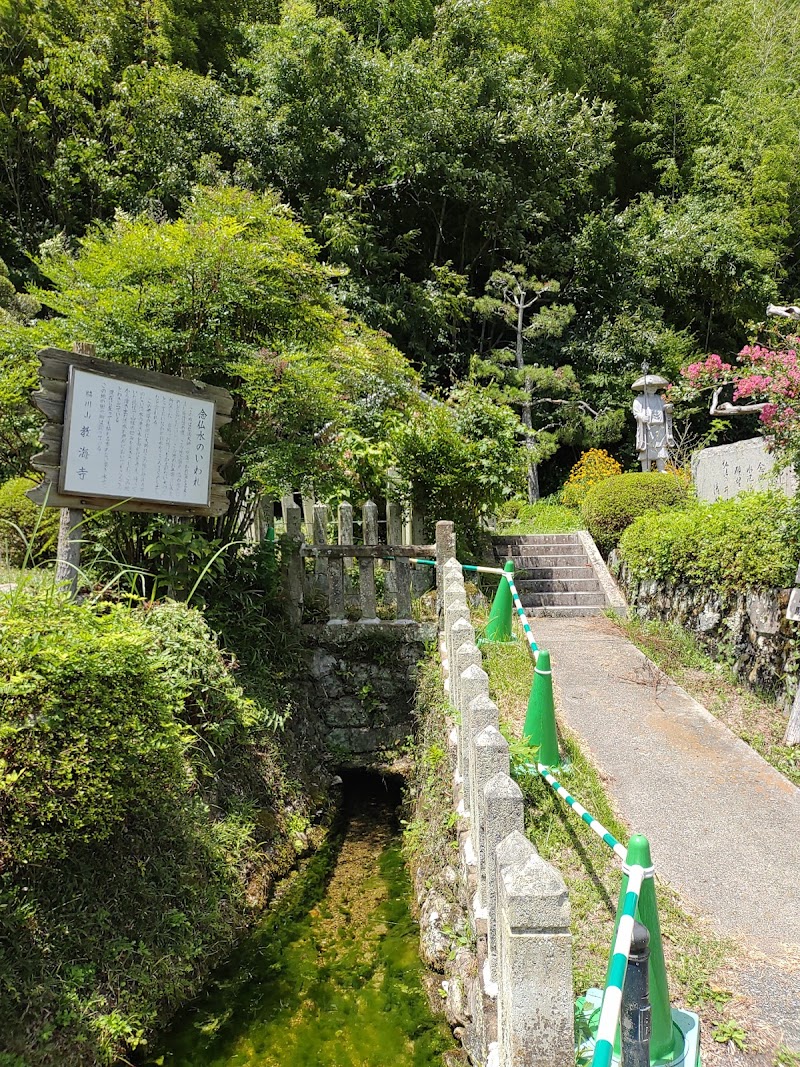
722, 472
653, 420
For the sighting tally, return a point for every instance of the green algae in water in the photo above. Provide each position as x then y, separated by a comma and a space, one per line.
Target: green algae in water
332, 978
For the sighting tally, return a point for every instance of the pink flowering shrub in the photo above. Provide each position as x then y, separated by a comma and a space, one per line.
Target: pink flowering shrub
761, 375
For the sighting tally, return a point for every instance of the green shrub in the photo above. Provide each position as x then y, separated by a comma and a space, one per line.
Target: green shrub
612, 505
751, 541
139, 793
23, 523
88, 728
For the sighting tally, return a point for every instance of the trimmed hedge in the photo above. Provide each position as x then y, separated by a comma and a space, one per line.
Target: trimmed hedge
613, 504
751, 541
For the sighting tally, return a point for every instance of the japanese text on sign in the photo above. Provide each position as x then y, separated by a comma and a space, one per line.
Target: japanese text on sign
125, 440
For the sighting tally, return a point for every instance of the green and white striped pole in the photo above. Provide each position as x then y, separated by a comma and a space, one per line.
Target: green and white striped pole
664, 1036
593, 823
523, 618
618, 965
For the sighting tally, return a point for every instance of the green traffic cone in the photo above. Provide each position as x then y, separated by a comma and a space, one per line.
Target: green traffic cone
539, 730
663, 1036
498, 628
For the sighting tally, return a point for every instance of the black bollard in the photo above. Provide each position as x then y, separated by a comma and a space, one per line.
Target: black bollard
635, 1020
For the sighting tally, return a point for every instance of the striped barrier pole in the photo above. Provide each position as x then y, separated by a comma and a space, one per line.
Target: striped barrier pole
593, 823
509, 577
612, 994
523, 618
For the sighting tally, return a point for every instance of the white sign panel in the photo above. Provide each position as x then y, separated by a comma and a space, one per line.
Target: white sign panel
123, 440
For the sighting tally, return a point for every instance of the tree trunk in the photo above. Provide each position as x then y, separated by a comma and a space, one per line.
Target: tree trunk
533, 471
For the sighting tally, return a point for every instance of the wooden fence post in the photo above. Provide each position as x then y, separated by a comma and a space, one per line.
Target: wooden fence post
68, 553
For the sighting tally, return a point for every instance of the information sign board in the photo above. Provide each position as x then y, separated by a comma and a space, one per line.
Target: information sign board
122, 439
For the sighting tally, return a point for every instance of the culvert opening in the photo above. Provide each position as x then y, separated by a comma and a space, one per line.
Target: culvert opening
369, 794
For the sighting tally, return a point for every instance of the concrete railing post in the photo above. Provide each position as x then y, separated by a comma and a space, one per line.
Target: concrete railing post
369, 519
394, 524
366, 576
504, 814
415, 535
336, 605
445, 550
292, 564
402, 579
489, 757
535, 998
321, 538
345, 531
472, 683
308, 516
461, 633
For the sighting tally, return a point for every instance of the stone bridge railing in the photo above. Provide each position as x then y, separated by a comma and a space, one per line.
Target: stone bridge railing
345, 576
521, 998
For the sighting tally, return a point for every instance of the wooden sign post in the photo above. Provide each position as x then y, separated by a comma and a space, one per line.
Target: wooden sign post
124, 438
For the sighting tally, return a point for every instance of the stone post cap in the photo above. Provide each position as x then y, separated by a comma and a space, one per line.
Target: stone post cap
514, 848
469, 653
462, 631
534, 896
482, 709
475, 675
452, 566
501, 785
489, 738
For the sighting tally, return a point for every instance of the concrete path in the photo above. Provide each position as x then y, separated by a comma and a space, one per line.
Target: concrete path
724, 826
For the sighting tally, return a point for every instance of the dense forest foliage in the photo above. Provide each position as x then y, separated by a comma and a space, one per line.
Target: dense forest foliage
527, 198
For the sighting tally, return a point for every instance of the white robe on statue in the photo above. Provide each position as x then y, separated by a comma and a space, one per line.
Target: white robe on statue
653, 426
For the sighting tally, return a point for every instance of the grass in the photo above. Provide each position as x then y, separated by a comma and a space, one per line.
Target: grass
545, 516
756, 718
696, 959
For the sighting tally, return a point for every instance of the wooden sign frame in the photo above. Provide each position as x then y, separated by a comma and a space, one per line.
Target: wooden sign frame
51, 399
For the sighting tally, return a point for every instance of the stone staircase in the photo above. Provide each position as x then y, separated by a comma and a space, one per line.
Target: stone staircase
554, 574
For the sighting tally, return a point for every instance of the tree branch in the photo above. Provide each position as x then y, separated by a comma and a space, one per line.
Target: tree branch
731, 409
578, 403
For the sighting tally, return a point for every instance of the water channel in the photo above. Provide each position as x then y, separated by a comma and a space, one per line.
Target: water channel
332, 977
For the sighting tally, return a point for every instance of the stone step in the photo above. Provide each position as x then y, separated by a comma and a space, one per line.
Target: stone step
557, 585
564, 612
529, 551
528, 564
537, 539
538, 600
536, 573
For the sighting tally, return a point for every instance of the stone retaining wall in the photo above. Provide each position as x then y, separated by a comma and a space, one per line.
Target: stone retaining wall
361, 679
749, 628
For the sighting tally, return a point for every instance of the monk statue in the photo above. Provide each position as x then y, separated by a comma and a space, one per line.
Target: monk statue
653, 420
